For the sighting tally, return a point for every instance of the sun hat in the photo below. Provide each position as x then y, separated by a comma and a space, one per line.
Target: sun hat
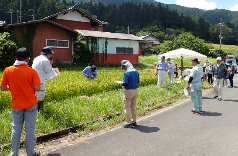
123, 63
46, 50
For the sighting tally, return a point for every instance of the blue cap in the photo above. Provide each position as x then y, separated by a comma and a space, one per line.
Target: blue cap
46, 50
163, 57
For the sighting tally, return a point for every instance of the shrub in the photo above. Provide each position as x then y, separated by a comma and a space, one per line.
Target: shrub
7, 50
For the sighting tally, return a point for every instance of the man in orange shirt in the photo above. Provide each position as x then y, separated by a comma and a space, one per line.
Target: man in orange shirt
22, 81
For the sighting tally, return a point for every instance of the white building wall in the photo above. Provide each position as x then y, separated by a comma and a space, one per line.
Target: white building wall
152, 39
113, 43
73, 16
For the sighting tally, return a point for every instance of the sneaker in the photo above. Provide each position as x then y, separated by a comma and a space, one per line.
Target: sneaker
134, 124
37, 153
230, 86
127, 125
219, 99
215, 97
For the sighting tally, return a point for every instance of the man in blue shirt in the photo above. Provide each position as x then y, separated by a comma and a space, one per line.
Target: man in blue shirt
162, 68
130, 82
90, 72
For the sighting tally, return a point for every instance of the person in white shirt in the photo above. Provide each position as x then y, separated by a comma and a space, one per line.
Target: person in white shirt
171, 70
43, 65
206, 64
209, 72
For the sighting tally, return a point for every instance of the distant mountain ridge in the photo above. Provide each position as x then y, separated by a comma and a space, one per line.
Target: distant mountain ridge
213, 16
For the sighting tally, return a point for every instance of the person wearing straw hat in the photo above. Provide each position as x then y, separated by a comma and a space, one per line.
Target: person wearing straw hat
218, 74
130, 82
43, 65
162, 68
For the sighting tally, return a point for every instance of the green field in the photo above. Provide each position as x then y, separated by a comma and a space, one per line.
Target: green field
227, 48
70, 100
186, 61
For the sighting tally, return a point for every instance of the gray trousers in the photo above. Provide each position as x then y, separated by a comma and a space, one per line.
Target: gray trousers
171, 75
18, 118
41, 93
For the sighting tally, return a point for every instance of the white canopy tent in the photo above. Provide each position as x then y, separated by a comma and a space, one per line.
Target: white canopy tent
183, 53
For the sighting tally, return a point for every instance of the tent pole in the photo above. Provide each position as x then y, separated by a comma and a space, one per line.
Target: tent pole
181, 64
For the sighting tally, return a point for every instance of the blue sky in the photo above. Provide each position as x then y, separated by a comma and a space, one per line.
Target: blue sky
205, 4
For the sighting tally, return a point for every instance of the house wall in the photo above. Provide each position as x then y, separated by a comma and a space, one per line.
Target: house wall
74, 20
73, 16
74, 24
112, 57
45, 31
152, 39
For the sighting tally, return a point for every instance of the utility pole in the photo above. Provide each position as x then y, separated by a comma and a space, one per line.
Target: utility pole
11, 15
221, 24
128, 29
34, 13
17, 16
20, 10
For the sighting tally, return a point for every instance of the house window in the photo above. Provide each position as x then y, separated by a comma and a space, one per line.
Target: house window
121, 50
57, 43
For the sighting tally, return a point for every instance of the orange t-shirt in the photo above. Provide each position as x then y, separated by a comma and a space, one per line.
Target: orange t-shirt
21, 80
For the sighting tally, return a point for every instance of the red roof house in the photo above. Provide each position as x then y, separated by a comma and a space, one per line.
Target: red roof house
56, 31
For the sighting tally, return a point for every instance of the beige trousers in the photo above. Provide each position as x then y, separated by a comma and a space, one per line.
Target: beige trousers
217, 85
129, 99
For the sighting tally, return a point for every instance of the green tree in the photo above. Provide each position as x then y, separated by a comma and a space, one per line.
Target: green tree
7, 50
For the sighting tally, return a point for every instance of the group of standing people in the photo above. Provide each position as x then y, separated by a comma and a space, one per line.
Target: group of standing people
207, 68
163, 67
216, 73
27, 87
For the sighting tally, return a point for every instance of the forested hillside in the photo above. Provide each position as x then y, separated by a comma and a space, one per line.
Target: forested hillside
213, 16
140, 17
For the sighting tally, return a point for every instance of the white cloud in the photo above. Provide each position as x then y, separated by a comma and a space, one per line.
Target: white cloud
234, 8
201, 4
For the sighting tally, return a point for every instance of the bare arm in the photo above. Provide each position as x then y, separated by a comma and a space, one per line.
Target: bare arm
37, 88
5, 88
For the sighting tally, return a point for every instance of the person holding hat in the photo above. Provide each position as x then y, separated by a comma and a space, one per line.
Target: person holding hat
130, 83
231, 71
23, 82
43, 65
162, 68
218, 74
90, 72
196, 86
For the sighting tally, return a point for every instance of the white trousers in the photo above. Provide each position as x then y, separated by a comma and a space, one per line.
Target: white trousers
162, 76
171, 75
217, 85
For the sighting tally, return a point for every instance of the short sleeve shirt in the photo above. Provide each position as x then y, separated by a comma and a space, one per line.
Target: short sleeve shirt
21, 80
132, 79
